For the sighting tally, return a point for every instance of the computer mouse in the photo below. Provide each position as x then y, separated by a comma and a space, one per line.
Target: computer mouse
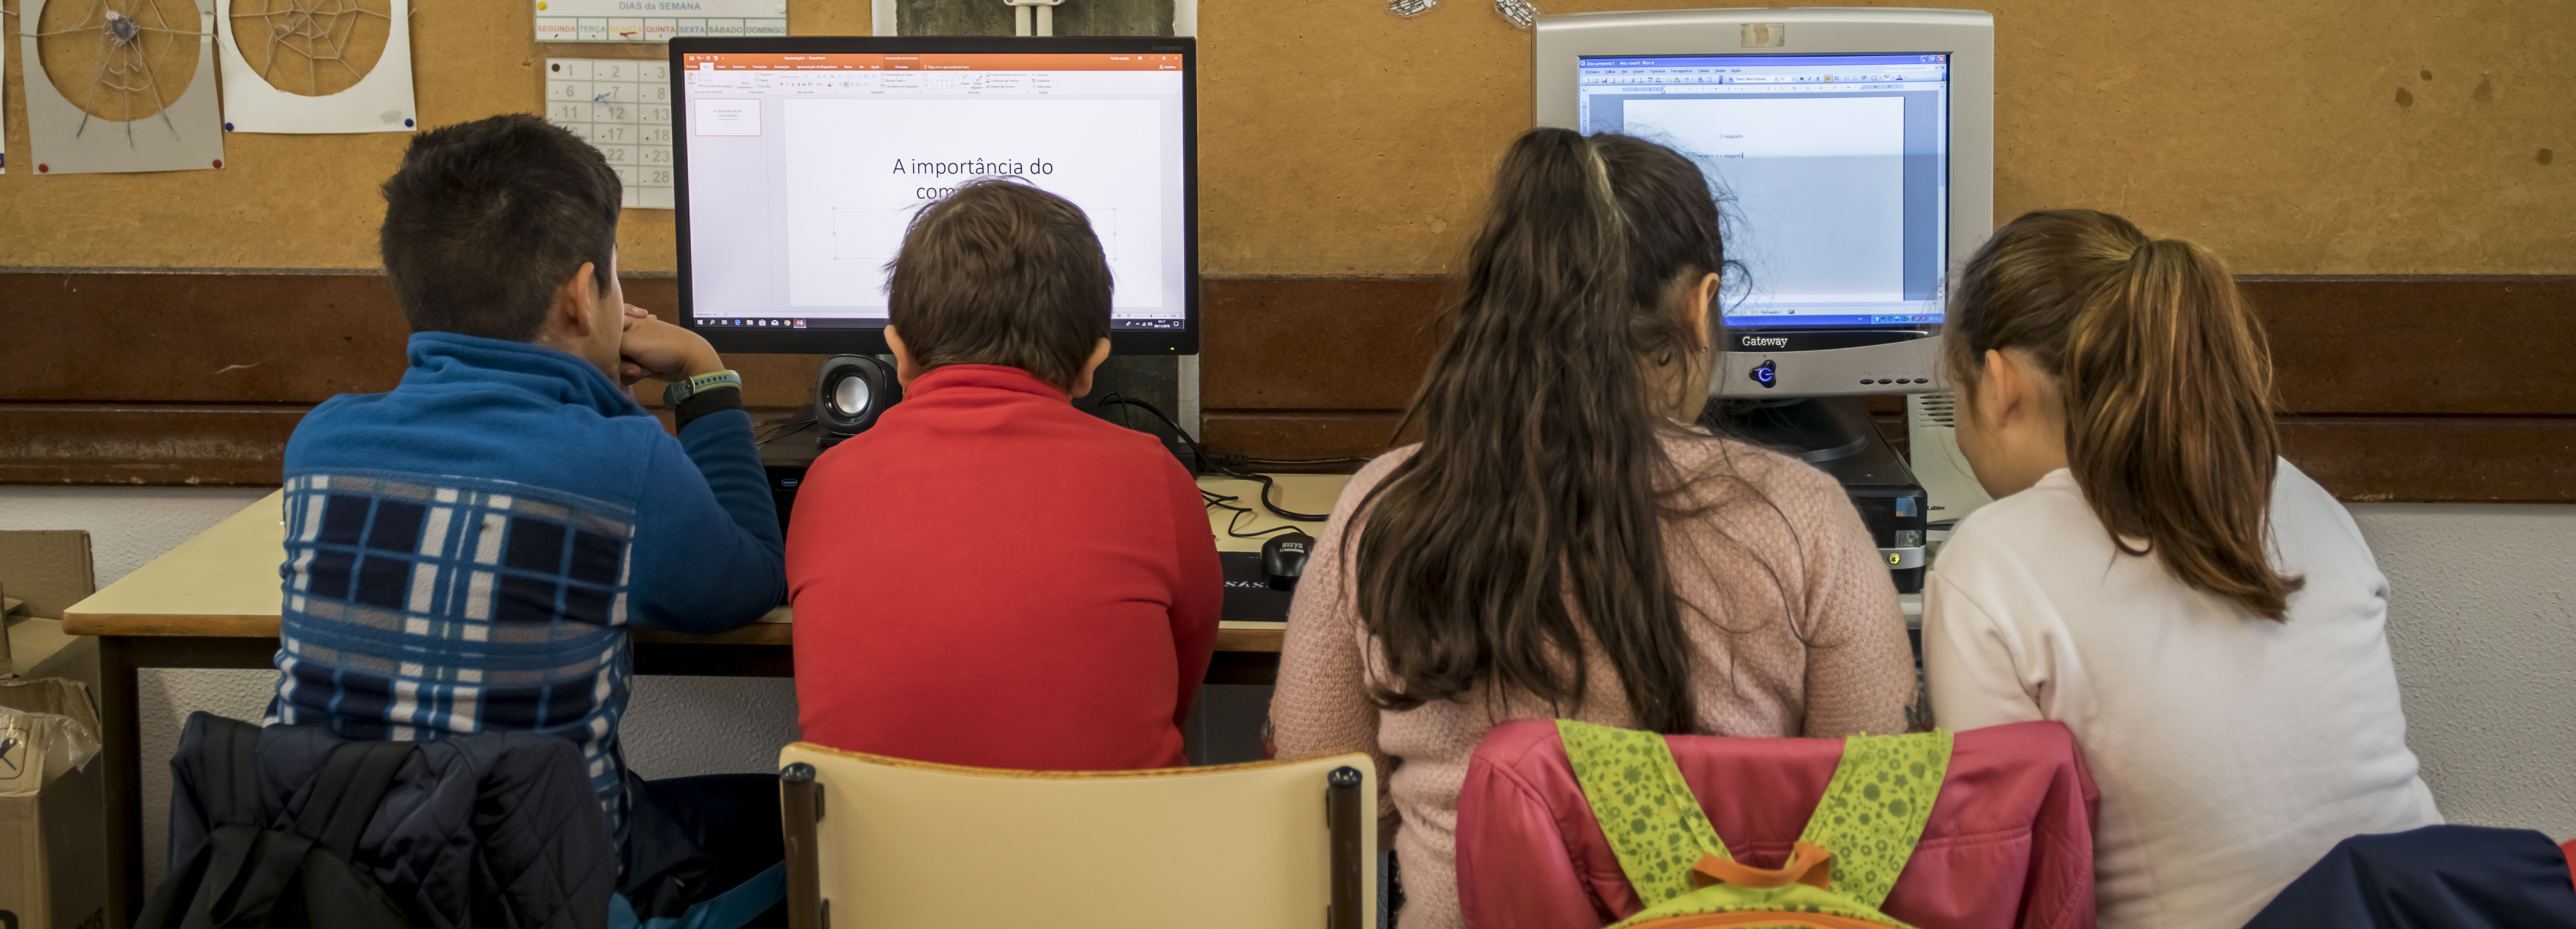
1283, 558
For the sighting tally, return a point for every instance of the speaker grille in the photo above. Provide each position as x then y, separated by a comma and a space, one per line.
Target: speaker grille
850, 392
1937, 407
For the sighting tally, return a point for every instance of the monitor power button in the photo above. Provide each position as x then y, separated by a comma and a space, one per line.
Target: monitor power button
1766, 374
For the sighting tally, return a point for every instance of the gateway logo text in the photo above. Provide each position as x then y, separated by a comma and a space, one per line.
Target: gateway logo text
1755, 341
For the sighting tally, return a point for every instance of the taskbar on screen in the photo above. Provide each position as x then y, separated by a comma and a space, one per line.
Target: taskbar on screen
1835, 321
774, 322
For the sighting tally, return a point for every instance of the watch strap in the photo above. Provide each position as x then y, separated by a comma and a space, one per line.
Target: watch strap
716, 399
687, 387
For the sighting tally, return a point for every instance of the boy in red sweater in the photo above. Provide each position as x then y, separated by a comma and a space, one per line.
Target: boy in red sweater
989, 576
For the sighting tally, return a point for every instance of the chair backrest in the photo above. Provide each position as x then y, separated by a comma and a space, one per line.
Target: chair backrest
874, 841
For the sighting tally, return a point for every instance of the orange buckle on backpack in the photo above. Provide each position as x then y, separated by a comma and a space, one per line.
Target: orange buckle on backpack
1808, 864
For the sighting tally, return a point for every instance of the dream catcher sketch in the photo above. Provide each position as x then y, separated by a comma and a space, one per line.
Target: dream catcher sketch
317, 66
311, 47
1520, 13
127, 85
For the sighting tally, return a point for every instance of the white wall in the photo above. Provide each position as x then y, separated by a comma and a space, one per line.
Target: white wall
2483, 626
2482, 622
128, 526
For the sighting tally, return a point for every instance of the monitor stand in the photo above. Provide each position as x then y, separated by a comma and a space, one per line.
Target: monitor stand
1816, 430
1836, 435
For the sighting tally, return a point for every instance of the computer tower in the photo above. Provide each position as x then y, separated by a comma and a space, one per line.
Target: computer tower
1891, 504
1837, 435
1932, 435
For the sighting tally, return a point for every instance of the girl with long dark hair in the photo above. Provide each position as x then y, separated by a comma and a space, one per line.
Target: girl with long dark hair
1562, 543
2206, 619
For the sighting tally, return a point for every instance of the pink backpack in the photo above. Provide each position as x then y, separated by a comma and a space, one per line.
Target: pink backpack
2008, 844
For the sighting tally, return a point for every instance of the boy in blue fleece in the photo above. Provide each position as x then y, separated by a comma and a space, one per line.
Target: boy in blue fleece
467, 552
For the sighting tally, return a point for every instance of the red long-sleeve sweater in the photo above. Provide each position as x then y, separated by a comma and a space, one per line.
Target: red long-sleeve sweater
991, 577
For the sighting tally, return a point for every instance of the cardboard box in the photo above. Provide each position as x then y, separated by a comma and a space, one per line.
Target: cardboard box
53, 811
45, 571
49, 569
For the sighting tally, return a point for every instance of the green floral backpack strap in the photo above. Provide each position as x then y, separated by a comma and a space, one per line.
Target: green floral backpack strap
1875, 807
1653, 822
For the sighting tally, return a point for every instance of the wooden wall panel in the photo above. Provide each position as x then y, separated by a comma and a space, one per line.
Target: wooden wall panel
1295, 434
154, 444
2421, 346
290, 338
2399, 388
2469, 459
1316, 343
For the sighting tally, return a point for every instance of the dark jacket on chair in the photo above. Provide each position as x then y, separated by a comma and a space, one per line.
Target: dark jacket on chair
498, 829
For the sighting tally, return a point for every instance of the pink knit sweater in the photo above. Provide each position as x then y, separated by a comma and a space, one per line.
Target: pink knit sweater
1820, 651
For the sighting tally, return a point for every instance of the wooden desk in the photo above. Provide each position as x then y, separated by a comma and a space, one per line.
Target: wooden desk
213, 602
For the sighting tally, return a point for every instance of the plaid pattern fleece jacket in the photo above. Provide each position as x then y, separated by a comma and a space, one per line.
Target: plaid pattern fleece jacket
465, 553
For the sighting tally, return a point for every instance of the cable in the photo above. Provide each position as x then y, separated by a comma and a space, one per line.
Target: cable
1113, 399
771, 430
1234, 523
1264, 480
1308, 461
1274, 508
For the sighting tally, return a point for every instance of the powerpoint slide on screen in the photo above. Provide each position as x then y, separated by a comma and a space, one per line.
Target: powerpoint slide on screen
1819, 188
860, 169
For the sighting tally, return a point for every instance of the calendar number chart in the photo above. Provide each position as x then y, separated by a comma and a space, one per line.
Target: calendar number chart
657, 20
623, 107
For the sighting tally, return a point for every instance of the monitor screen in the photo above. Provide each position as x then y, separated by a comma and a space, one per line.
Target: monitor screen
801, 169
1836, 170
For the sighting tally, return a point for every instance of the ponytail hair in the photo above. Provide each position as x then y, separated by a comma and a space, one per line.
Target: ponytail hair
2166, 378
1526, 531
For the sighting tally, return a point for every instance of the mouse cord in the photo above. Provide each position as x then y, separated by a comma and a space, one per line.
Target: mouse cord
1263, 479
1234, 523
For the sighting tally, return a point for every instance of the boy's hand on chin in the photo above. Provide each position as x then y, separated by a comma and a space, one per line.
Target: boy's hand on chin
628, 372
656, 349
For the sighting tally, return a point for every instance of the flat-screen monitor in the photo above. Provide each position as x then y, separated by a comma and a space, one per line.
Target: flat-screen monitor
1852, 150
801, 161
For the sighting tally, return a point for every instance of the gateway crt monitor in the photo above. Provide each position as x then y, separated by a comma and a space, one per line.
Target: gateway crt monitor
801, 162
1855, 152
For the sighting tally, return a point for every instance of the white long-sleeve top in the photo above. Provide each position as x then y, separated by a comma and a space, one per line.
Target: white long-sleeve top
2232, 752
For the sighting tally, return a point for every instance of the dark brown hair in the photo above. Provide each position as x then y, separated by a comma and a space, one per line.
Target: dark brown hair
484, 220
1001, 273
2167, 382
1536, 418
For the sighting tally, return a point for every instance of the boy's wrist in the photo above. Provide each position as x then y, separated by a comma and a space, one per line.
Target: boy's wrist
703, 363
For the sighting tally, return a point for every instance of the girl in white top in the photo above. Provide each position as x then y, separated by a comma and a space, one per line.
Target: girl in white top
2204, 617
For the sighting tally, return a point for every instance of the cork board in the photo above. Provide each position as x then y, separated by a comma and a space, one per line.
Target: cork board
287, 201
2302, 137
1336, 139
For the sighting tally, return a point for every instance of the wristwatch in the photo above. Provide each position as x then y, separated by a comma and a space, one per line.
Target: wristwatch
687, 387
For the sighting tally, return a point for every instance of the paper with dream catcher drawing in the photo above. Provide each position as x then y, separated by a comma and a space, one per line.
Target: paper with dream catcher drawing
120, 85
308, 66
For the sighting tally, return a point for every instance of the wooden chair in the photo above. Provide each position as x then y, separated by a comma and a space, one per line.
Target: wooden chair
884, 842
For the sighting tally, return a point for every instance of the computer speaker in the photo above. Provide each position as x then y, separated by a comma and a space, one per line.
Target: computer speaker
850, 392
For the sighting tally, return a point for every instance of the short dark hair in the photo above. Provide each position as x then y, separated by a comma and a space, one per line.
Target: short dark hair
1001, 273
485, 219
